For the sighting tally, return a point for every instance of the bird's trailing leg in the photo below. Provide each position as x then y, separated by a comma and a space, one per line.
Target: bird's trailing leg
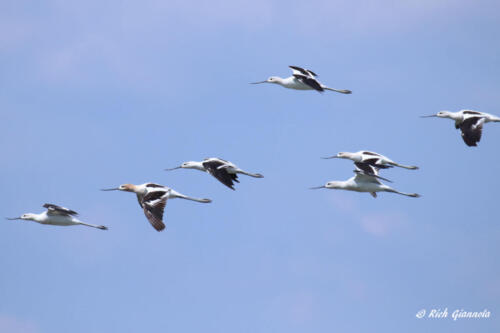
94, 226
361, 172
413, 195
255, 175
173, 194
409, 167
342, 91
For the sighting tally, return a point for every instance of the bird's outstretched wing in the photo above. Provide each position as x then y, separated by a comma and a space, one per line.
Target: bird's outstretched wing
153, 185
370, 169
139, 200
153, 204
374, 162
471, 112
310, 81
366, 168
214, 168
471, 130
303, 71
58, 210
365, 152
366, 178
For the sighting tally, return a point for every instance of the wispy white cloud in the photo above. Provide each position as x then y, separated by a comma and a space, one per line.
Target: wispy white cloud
382, 224
65, 43
298, 307
12, 324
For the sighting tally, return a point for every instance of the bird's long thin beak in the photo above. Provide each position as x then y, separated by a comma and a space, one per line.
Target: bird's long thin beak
432, 115
110, 189
173, 168
258, 82
317, 187
13, 218
327, 158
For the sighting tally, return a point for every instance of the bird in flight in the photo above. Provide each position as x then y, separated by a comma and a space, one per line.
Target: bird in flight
302, 79
56, 215
224, 171
363, 182
469, 122
366, 160
153, 198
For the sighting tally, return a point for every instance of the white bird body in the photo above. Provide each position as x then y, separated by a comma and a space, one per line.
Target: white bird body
291, 82
371, 159
302, 79
153, 198
356, 184
56, 215
44, 218
462, 115
470, 122
363, 182
224, 171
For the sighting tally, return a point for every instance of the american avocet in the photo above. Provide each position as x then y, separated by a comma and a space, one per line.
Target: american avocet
362, 182
153, 198
363, 158
470, 123
225, 171
301, 79
56, 215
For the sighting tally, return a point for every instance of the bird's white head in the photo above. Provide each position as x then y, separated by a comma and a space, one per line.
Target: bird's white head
343, 154
340, 155
441, 114
27, 216
329, 185
272, 79
334, 185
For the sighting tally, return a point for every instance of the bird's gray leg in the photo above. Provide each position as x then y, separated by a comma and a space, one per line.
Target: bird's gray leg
255, 175
173, 194
413, 195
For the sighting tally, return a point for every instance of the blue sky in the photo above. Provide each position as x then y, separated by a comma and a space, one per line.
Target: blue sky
101, 93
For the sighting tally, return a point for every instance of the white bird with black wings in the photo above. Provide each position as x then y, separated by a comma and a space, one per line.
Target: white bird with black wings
56, 215
153, 198
224, 171
367, 160
362, 182
302, 79
469, 122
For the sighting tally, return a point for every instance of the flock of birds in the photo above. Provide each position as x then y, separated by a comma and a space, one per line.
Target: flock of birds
153, 197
